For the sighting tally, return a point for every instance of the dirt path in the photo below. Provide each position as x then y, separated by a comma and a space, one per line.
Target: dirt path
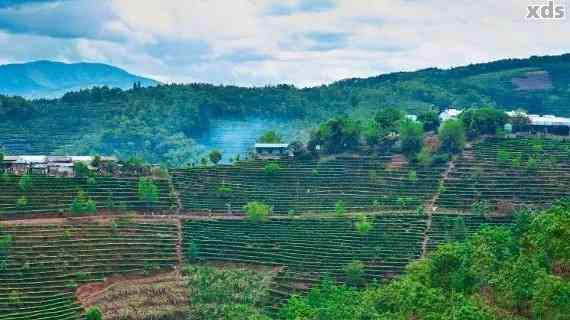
179, 238
430, 205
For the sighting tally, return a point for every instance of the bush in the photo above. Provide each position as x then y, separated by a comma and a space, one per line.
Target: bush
270, 137
94, 313
440, 158
363, 225
148, 192
411, 133
340, 208
272, 169
80, 169
451, 136
354, 272
224, 191
25, 183
82, 204
424, 158
257, 211
22, 202
215, 156
430, 120
412, 176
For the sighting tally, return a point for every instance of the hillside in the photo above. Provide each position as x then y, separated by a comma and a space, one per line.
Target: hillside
164, 123
49, 79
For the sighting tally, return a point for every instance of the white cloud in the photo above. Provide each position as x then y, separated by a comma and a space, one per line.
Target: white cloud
256, 42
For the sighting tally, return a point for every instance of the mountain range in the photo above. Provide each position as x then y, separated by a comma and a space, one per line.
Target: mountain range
49, 79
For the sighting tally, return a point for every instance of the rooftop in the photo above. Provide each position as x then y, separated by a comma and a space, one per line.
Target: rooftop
272, 145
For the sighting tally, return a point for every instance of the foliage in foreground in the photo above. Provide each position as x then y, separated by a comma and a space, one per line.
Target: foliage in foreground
226, 293
498, 273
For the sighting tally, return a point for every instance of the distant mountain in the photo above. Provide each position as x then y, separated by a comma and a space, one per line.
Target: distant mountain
49, 79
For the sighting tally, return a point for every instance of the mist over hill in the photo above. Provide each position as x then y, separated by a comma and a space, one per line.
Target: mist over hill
49, 79
175, 123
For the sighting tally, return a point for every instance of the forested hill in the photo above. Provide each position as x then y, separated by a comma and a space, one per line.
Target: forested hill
42, 79
161, 123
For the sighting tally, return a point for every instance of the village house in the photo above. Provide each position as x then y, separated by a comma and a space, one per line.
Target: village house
544, 124
61, 166
450, 114
272, 150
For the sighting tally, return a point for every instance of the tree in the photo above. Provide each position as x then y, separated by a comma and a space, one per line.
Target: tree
270, 137
148, 192
387, 119
94, 313
484, 120
257, 211
82, 204
25, 183
411, 134
430, 120
215, 156
354, 272
271, 169
22, 202
363, 225
340, 208
451, 136
80, 169
336, 135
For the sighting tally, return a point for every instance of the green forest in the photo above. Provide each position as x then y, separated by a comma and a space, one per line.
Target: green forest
161, 123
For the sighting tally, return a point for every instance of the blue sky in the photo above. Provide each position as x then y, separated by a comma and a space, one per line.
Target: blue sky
259, 42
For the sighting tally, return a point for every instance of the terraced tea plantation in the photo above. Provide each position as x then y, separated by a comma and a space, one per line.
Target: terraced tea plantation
46, 263
508, 173
51, 194
308, 186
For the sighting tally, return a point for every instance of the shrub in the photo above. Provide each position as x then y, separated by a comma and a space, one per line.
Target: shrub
424, 158
411, 133
82, 204
354, 272
215, 156
94, 313
257, 211
504, 157
148, 192
363, 225
452, 136
224, 191
412, 176
272, 169
340, 208
80, 169
532, 164
91, 181
193, 251
22, 202
25, 183
270, 137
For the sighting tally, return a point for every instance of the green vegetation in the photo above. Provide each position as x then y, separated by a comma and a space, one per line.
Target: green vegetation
271, 169
25, 183
94, 313
363, 225
270, 137
227, 293
82, 204
486, 120
411, 137
257, 211
148, 192
215, 156
161, 123
452, 136
340, 208
498, 273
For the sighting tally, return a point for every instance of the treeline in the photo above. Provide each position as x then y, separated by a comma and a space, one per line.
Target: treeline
161, 123
512, 273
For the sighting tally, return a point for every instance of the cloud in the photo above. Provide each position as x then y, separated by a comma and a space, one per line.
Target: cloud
62, 19
17, 3
302, 6
246, 42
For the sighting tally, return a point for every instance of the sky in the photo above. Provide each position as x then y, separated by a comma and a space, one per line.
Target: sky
265, 42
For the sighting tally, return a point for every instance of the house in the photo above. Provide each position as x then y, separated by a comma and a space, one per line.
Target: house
543, 124
272, 150
450, 114
50, 165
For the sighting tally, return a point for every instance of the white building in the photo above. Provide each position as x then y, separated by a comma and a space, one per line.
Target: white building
450, 114
272, 150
